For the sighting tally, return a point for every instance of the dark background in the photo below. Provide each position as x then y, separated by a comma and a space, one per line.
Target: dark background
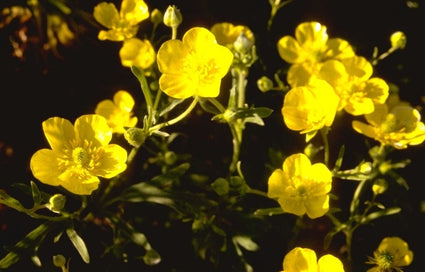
42, 85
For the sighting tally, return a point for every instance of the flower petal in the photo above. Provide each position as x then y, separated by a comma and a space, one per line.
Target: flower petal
300, 259
112, 161
93, 128
177, 86
134, 11
44, 167
59, 133
170, 56
106, 14
78, 182
290, 50
330, 263
317, 206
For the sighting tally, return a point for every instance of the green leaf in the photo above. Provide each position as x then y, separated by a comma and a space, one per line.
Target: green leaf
11, 202
79, 244
151, 256
246, 242
144, 191
171, 106
171, 175
36, 195
269, 211
375, 215
30, 243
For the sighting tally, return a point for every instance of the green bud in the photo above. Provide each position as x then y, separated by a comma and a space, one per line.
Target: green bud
398, 40
242, 44
379, 186
264, 84
156, 16
170, 157
135, 136
172, 17
220, 186
59, 260
56, 203
366, 168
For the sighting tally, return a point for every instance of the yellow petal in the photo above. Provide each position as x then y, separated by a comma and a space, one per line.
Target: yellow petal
276, 186
93, 128
317, 206
330, 263
358, 67
338, 49
124, 101
300, 260
44, 167
112, 161
377, 89
178, 86
311, 36
78, 182
136, 52
296, 164
134, 11
290, 50
59, 133
106, 14
199, 40
171, 57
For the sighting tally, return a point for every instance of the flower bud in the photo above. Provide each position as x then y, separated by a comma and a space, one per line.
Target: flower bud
135, 136
56, 203
221, 186
172, 17
59, 260
242, 44
379, 186
398, 40
156, 16
264, 84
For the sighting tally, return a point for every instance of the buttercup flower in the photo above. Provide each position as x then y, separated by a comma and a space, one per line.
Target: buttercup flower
305, 260
352, 81
136, 52
123, 24
312, 44
193, 66
79, 154
310, 48
392, 254
301, 187
310, 108
118, 112
227, 33
396, 125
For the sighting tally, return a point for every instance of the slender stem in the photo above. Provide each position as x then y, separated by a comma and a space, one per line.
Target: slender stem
324, 133
174, 33
217, 104
176, 119
257, 192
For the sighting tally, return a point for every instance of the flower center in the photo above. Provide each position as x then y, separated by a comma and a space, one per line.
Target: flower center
384, 260
81, 157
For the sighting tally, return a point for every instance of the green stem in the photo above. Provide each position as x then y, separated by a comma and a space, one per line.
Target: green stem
324, 132
176, 119
257, 192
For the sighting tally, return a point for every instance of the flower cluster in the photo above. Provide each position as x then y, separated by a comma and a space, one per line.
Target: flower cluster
104, 182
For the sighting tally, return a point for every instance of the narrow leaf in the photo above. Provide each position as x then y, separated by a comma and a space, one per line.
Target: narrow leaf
79, 244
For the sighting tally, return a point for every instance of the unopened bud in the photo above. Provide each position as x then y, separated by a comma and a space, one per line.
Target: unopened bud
59, 260
398, 40
172, 17
56, 203
156, 16
379, 186
242, 44
264, 84
135, 136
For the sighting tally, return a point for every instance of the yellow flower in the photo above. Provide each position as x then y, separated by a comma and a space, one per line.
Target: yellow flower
79, 154
301, 187
136, 52
193, 66
227, 33
310, 108
392, 254
398, 125
123, 24
312, 44
118, 112
352, 81
305, 260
